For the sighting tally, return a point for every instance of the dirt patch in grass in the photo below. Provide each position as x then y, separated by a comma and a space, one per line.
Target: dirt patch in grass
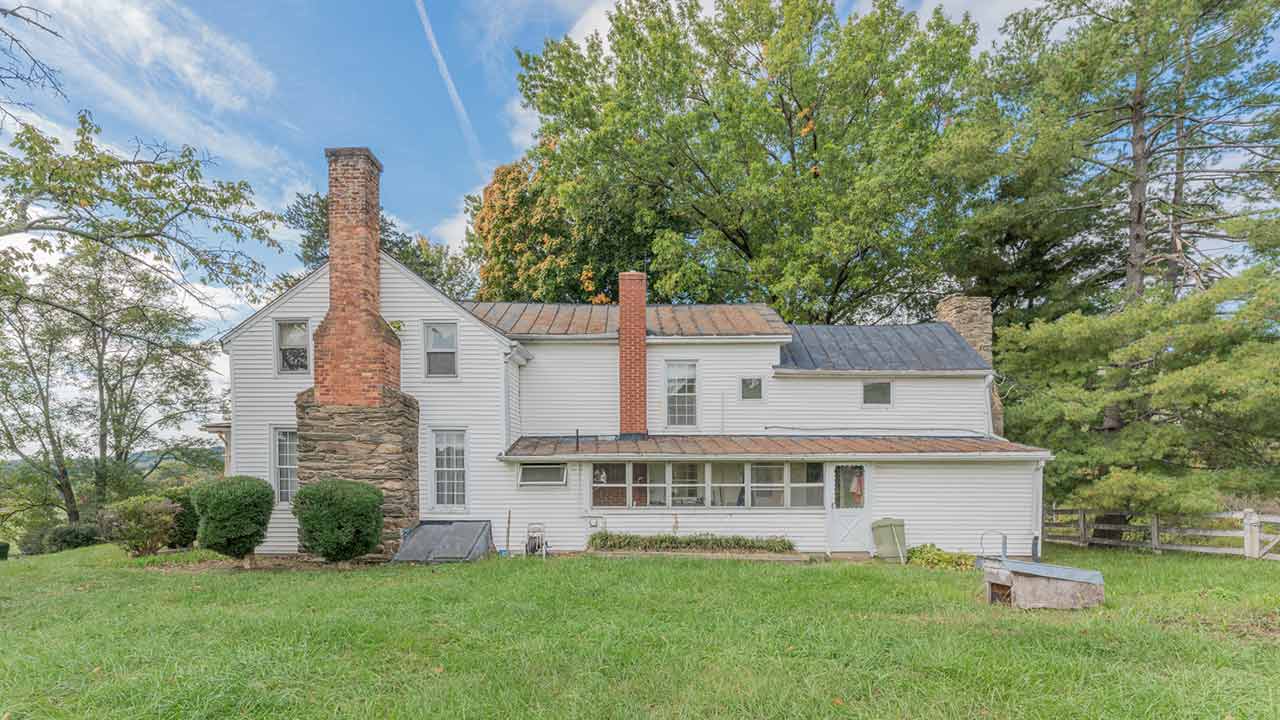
273, 563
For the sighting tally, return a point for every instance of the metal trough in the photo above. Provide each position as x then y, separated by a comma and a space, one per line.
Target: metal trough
1030, 585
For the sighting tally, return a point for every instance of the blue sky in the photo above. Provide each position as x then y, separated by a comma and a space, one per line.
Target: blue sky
265, 86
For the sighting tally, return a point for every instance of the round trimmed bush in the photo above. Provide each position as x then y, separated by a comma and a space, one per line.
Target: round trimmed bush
234, 513
187, 521
140, 524
339, 519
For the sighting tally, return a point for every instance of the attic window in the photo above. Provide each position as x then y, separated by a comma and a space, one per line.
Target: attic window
292, 349
752, 388
442, 349
877, 393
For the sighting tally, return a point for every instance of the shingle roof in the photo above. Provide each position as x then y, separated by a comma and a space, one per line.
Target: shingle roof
556, 319
922, 347
756, 445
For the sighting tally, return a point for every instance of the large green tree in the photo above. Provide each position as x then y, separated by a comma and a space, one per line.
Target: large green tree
769, 151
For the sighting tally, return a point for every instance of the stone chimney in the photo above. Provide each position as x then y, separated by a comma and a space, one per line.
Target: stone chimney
971, 317
355, 424
633, 294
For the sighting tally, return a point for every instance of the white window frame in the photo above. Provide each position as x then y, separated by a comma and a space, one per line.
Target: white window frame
274, 438
426, 349
665, 484
792, 484
704, 479
666, 393
862, 394
466, 470
521, 482
740, 388
276, 348
780, 485
625, 485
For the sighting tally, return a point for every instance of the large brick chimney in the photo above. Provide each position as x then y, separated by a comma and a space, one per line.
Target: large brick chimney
971, 317
633, 294
355, 424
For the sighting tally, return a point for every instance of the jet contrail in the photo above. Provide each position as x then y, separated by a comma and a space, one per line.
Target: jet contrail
460, 110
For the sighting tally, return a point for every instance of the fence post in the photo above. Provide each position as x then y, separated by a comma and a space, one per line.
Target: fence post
1252, 535
1155, 533
1084, 530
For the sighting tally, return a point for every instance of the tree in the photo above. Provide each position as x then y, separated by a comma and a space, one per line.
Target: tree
450, 271
154, 208
1174, 99
111, 379
1196, 382
20, 65
769, 152
140, 363
37, 419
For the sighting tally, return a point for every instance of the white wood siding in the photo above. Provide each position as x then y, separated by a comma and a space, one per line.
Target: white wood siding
568, 387
951, 504
473, 401
798, 405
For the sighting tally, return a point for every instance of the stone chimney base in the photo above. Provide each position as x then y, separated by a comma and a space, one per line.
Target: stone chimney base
373, 444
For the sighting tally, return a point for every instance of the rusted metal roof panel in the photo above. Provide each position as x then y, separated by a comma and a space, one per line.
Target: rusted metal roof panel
710, 446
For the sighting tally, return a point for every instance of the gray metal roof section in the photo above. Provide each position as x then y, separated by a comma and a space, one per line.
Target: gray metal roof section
434, 541
922, 347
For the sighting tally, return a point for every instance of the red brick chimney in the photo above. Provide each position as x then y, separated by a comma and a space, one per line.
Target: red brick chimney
633, 294
357, 353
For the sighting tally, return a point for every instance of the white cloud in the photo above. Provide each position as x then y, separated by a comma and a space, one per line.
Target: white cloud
452, 231
459, 110
522, 123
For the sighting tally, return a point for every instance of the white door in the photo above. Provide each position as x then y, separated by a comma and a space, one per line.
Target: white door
848, 527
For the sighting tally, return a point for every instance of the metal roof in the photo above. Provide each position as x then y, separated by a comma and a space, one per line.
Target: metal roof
922, 347
564, 319
704, 446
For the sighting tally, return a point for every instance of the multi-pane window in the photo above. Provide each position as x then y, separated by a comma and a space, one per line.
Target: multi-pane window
768, 488
286, 465
442, 349
682, 393
752, 388
688, 489
850, 486
450, 467
648, 485
766, 485
609, 485
877, 393
728, 485
806, 485
292, 346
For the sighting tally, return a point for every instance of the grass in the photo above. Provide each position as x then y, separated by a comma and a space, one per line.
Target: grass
87, 634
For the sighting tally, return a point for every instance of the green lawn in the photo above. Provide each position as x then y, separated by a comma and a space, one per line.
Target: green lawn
87, 634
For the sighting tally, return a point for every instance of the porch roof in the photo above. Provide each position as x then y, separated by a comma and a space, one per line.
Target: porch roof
570, 447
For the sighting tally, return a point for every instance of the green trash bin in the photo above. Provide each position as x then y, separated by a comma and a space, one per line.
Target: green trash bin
890, 538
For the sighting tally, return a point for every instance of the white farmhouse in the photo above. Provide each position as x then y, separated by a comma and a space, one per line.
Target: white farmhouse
629, 418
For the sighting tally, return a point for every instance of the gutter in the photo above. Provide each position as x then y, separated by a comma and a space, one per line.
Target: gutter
779, 371
1041, 455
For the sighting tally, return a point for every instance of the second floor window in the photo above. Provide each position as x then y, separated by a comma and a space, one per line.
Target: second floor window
682, 393
292, 348
442, 349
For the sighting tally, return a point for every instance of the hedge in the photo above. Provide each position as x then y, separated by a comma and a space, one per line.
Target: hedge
68, 537
715, 543
187, 522
339, 519
932, 556
234, 513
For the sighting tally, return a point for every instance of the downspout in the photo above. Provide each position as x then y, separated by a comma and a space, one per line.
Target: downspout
986, 400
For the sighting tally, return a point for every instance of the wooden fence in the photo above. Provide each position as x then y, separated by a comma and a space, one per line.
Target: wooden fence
1248, 533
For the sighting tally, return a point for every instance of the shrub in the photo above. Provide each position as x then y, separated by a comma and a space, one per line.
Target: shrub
4, 551
187, 522
69, 537
339, 519
932, 556
140, 524
32, 540
234, 513
720, 543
